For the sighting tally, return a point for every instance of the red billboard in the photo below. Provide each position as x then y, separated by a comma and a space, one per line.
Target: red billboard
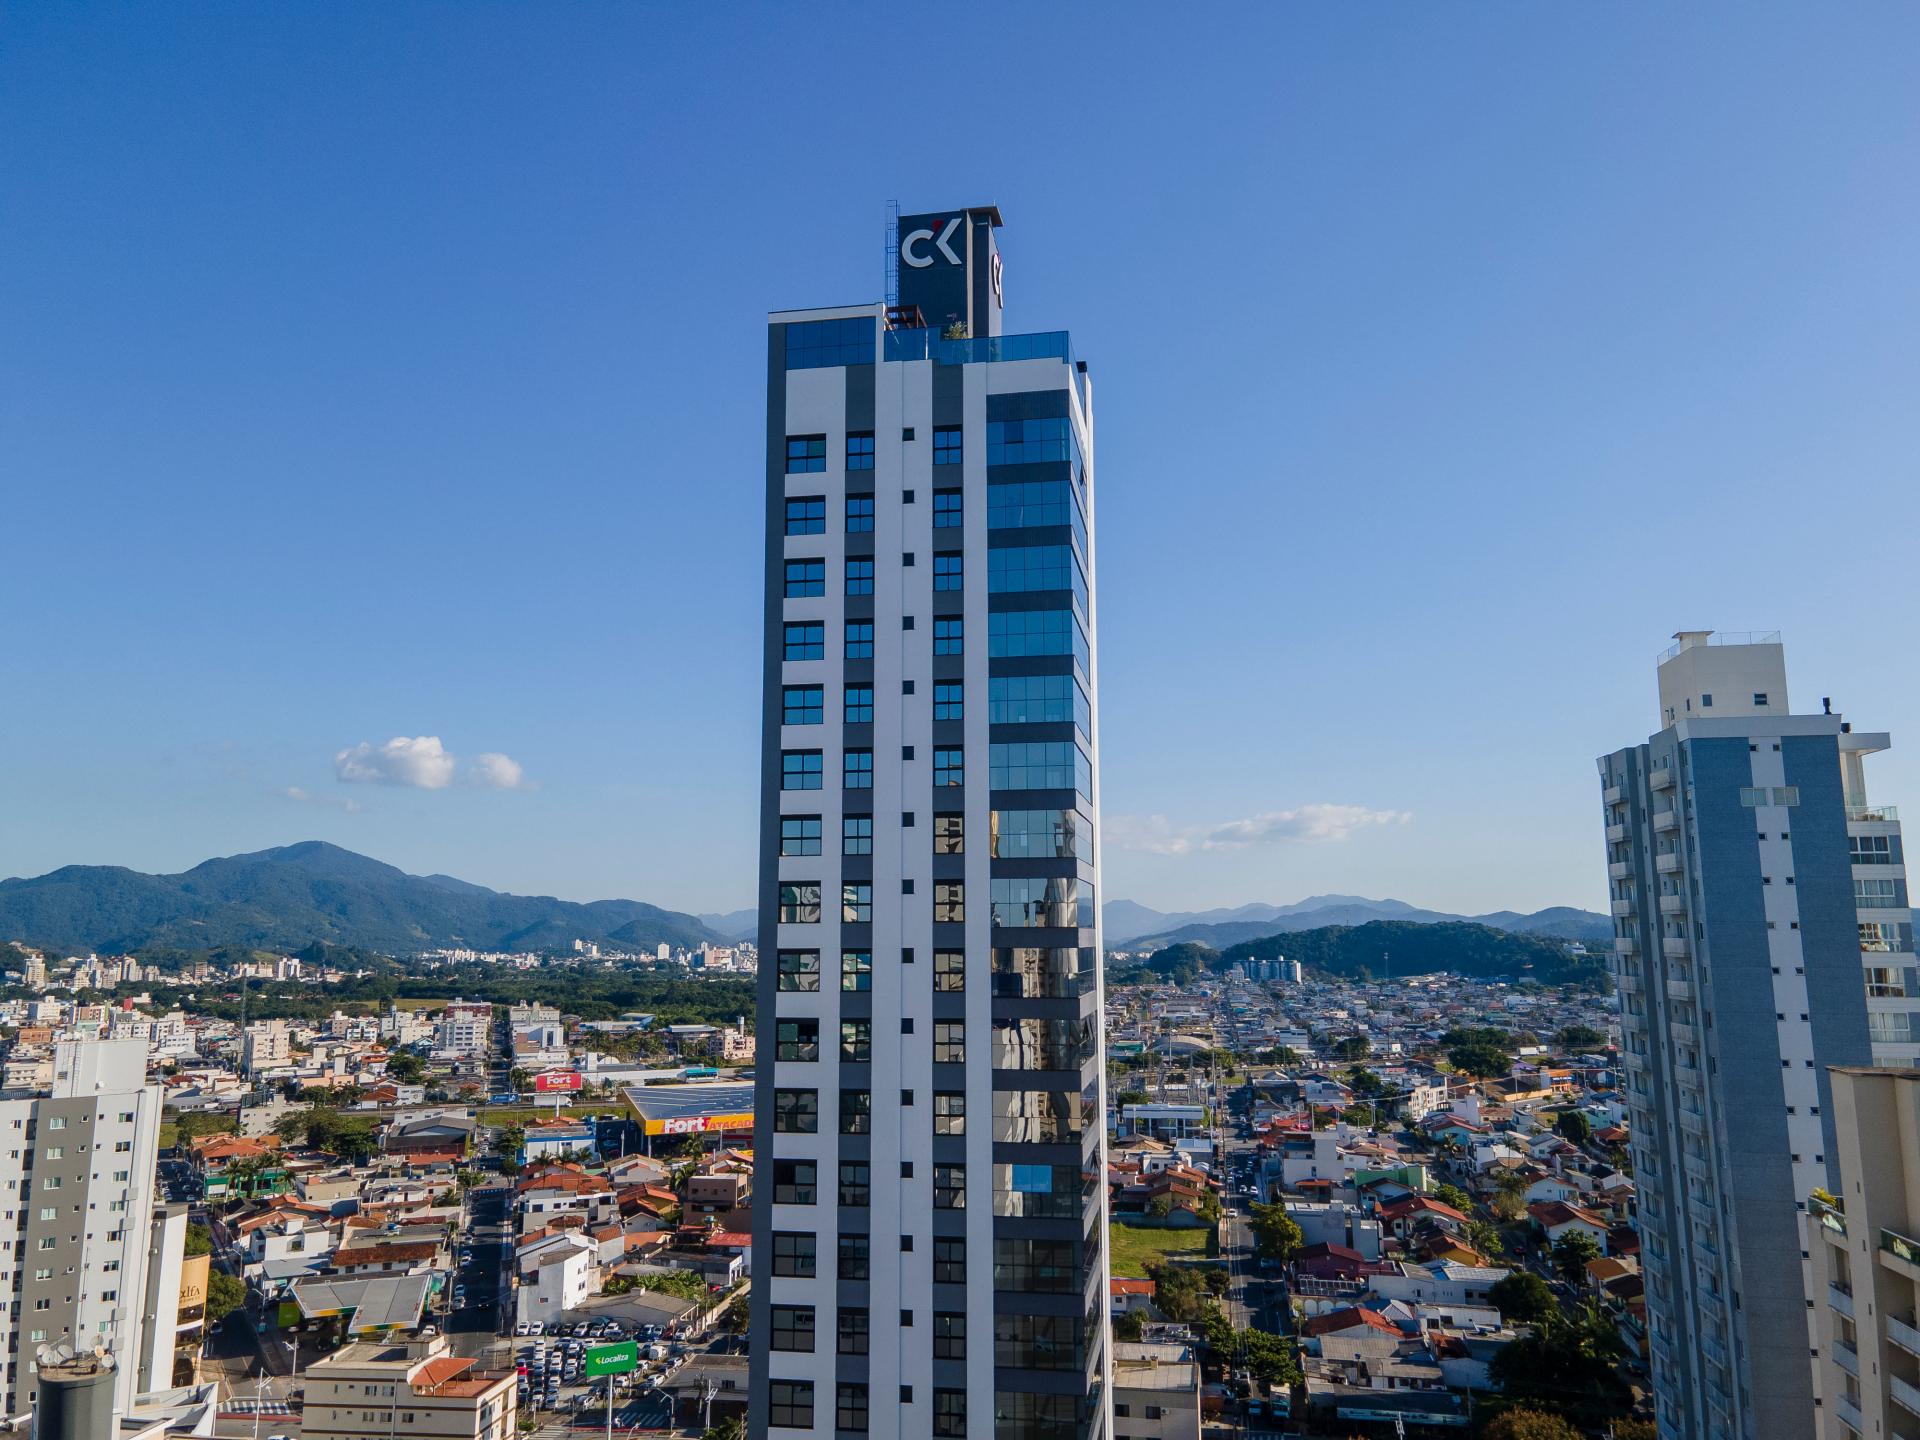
555, 1081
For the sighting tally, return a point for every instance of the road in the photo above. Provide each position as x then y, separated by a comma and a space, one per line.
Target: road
481, 1279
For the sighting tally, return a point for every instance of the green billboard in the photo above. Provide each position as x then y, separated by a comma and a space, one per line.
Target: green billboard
610, 1359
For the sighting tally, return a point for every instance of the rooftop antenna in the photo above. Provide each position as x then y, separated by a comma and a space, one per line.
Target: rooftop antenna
893, 252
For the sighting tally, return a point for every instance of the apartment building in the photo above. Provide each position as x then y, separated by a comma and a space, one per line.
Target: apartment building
465, 1030
267, 1045
932, 1214
85, 1254
1866, 1259
1762, 935
414, 1387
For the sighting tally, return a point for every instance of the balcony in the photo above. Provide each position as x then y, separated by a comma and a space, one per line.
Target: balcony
1900, 1253
1694, 1123
1906, 1396
1667, 864
1697, 1166
1840, 1300
1616, 833
1660, 777
1904, 1334
1619, 870
1684, 1032
1664, 820
1874, 814
1621, 908
1849, 1414
1625, 945
1613, 794
1847, 1358
1680, 990
1829, 1216
1673, 904
1676, 947
1630, 984
1635, 1062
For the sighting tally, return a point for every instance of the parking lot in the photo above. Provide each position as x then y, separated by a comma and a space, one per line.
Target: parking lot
551, 1378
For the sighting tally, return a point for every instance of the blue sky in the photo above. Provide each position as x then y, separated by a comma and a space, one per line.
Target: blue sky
374, 371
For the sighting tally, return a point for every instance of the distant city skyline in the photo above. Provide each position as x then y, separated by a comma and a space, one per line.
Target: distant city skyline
369, 405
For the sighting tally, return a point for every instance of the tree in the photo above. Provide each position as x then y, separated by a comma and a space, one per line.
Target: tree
1484, 1236
1568, 1364
519, 1079
1635, 1430
406, 1067
1358, 1115
1276, 1235
1574, 1126
1456, 1197
1571, 1252
1129, 1325
1478, 1057
1529, 1425
225, 1294
199, 1241
1352, 1047
1580, 1037
1365, 1082
1523, 1298
731, 1428
738, 1316
1269, 1358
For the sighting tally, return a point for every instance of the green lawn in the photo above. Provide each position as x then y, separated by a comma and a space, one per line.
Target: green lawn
522, 1115
1131, 1247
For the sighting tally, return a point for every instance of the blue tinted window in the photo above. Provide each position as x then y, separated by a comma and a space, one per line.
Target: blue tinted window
859, 639
1036, 567
812, 344
1029, 442
801, 705
859, 705
947, 444
947, 572
949, 766
806, 454
856, 835
946, 509
948, 636
805, 641
807, 515
1039, 765
860, 451
1037, 700
1036, 632
800, 770
806, 577
858, 772
948, 701
859, 577
859, 514
799, 834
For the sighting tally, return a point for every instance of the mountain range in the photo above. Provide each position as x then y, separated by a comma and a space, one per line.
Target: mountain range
1137, 927
288, 897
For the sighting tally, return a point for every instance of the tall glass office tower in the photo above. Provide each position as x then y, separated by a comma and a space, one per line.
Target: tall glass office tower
1762, 935
930, 1208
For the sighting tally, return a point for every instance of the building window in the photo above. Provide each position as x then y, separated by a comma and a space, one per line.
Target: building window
946, 444
853, 1257
800, 770
856, 835
949, 901
856, 1042
800, 705
950, 1414
1039, 765
856, 1188
856, 1112
1871, 849
793, 1254
804, 641
856, 970
859, 639
949, 1261
949, 700
950, 834
797, 1040
859, 514
949, 636
796, 1112
949, 970
1029, 442
853, 1331
799, 970
805, 578
949, 1042
859, 450
792, 1328
856, 903
806, 454
799, 834
820, 344
807, 515
800, 902
946, 509
790, 1404
949, 571
949, 766
850, 1407
859, 577
1876, 894
859, 705
949, 1338
949, 1114
858, 770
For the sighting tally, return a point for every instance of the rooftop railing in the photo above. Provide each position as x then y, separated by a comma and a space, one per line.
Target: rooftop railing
928, 345
1723, 637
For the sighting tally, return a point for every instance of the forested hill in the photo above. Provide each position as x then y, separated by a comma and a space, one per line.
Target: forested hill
1385, 948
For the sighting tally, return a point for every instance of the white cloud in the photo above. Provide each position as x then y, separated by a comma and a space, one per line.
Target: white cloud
1308, 824
423, 763
494, 771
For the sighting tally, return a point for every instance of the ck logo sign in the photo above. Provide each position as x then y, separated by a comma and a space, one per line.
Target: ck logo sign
916, 238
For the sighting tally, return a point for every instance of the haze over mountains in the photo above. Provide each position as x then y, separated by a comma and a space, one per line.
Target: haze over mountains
1137, 927
291, 896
